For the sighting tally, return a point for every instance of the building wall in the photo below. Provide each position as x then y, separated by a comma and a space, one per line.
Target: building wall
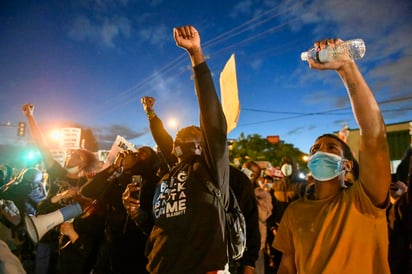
398, 136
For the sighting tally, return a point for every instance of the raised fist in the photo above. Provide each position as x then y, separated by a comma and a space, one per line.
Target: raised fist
148, 103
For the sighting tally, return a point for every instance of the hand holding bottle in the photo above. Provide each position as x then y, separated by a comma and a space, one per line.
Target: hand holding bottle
333, 53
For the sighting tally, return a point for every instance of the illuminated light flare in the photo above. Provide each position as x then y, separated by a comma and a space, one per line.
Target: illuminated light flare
56, 135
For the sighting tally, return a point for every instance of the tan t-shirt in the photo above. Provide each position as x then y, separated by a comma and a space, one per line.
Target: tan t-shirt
346, 233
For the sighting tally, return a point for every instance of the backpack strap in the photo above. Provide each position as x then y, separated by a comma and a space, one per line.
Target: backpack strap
215, 191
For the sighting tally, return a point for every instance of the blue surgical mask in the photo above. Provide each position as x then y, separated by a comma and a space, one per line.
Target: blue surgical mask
325, 166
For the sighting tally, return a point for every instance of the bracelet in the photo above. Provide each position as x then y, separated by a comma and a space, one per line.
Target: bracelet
150, 114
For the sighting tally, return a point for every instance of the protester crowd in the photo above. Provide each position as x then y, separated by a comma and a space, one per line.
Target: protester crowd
149, 211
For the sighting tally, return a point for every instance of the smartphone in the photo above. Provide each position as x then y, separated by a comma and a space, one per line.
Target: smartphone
137, 181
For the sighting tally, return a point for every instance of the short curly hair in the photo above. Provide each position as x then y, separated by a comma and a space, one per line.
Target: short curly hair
347, 153
190, 132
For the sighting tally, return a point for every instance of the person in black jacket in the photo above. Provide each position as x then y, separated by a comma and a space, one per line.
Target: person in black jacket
124, 244
245, 195
399, 214
403, 170
189, 231
238, 181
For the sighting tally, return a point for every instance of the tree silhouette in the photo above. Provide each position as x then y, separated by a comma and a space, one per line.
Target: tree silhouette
254, 147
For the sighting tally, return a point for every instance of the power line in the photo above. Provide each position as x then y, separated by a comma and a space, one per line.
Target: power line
388, 101
124, 97
295, 115
248, 25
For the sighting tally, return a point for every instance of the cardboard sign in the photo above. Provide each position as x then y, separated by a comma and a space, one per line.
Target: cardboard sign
230, 94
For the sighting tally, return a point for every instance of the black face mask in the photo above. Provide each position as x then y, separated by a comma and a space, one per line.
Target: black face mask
146, 167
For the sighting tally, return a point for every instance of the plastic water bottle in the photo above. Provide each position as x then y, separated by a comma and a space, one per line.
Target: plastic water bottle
351, 49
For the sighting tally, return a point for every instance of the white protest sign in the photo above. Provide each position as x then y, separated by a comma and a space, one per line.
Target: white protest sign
120, 144
59, 155
70, 138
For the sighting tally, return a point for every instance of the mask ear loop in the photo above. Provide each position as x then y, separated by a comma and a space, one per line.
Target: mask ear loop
347, 166
178, 151
198, 149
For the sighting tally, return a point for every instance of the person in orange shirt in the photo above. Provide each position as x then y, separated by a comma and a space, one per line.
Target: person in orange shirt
342, 229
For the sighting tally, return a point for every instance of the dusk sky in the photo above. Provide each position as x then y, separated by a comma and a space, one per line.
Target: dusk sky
90, 62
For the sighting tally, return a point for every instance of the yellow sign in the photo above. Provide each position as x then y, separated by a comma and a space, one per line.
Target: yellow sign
229, 93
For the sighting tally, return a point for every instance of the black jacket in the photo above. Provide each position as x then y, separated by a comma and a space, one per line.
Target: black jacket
188, 235
124, 240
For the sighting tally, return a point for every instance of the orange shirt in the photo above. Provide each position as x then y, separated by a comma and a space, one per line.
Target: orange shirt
346, 233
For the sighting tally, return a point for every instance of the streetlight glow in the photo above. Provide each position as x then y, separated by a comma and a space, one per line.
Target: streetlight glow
172, 123
56, 134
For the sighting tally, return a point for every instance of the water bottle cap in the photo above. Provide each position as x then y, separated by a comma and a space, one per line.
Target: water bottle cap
304, 56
